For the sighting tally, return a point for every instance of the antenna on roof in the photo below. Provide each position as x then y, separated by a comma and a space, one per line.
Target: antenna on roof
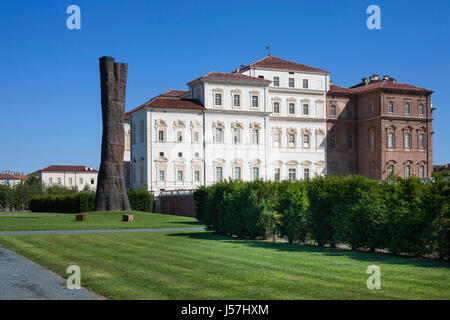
268, 48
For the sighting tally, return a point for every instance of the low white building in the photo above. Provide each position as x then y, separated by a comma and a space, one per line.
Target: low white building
12, 178
265, 120
68, 176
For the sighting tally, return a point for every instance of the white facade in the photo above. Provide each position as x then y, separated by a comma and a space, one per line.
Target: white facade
69, 178
276, 136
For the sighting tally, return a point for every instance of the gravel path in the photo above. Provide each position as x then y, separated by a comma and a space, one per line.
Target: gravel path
40, 232
22, 279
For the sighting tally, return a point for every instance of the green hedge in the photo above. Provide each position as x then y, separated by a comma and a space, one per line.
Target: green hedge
140, 200
403, 216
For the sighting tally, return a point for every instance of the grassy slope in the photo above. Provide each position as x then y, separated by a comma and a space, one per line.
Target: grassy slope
96, 220
201, 265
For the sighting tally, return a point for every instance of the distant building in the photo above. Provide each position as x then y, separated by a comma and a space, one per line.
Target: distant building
12, 178
127, 152
68, 176
440, 168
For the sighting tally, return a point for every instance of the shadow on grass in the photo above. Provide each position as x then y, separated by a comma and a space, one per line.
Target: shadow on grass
193, 223
285, 247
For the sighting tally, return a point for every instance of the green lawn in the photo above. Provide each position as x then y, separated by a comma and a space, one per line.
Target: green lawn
95, 220
202, 265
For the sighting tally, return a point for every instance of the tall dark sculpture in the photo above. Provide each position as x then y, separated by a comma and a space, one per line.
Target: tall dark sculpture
111, 194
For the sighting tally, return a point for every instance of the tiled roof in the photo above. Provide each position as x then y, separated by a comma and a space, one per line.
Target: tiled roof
227, 76
170, 103
439, 168
7, 176
339, 89
174, 93
271, 62
55, 168
386, 84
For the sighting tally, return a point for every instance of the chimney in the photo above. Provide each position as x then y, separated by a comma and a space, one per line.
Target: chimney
374, 77
386, 77
364, 80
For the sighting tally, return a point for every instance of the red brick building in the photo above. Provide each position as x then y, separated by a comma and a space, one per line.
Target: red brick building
378, 127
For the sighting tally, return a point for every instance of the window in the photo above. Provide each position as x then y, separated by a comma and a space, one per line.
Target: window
291, 82
255, 136
306, 141
180, 154
196, 136
333, 141
421, 172
218, 173
179, 136
276, 139
180, 175
196, 175
160, 135
161, 154
306, 174
291, 140
407, 171
93, 181
349, 111
421, 109
372, 140
292, 174
161, 175
70, 181
408, 140
291, 108
333, 110
141, 132
219, 135
390, 140
141, 174
197, 155
81, 181
236, 100
237, 173
133, 134
407, 108
372, 172
390, 107
333, 171
277, 174
350, 142
276, 81
255, 101
391, 169
305, 109
218, 99
255, 173
371, 109
237, 136
59, 180
421, 140
305, 83
276, 107
50, 180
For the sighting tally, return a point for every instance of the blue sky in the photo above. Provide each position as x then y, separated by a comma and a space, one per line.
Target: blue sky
49, 86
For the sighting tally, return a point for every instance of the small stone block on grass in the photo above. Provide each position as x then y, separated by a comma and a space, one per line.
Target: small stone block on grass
128, 218
80, 217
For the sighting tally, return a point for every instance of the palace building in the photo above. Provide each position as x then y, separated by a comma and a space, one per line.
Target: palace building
276, 119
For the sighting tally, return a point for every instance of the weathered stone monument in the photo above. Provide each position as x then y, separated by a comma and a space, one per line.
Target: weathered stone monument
111, 194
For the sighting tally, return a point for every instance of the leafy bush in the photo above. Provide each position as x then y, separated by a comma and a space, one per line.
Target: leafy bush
67, 203
140, 200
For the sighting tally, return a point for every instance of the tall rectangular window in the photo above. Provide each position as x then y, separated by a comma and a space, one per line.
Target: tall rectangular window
277, 174
305, 109
81, 181
407, 171
408, 140
291, 108
196, 136
372, 140
255, 103
161, 175
291, 140
291, 82
306, 174
421, 109
237, 173
179, 136
236, 100
333, 141
421, 172
390, 140
70, 181
180, 175
421, 140
390, 107
305, 141
219, 135
197, 175
59, 180
305, 83
276, 81
160, 135
237, 136
255, 136
276, 107
255, 171
292, 174
218, 99
50, 180
391, 169
407, 108
350, 142
372, 172
218, 173
371, 109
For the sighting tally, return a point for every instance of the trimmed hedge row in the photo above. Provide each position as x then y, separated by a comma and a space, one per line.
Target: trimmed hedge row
403, 216
140, 200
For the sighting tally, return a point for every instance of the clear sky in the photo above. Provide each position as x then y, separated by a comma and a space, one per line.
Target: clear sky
50, 88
